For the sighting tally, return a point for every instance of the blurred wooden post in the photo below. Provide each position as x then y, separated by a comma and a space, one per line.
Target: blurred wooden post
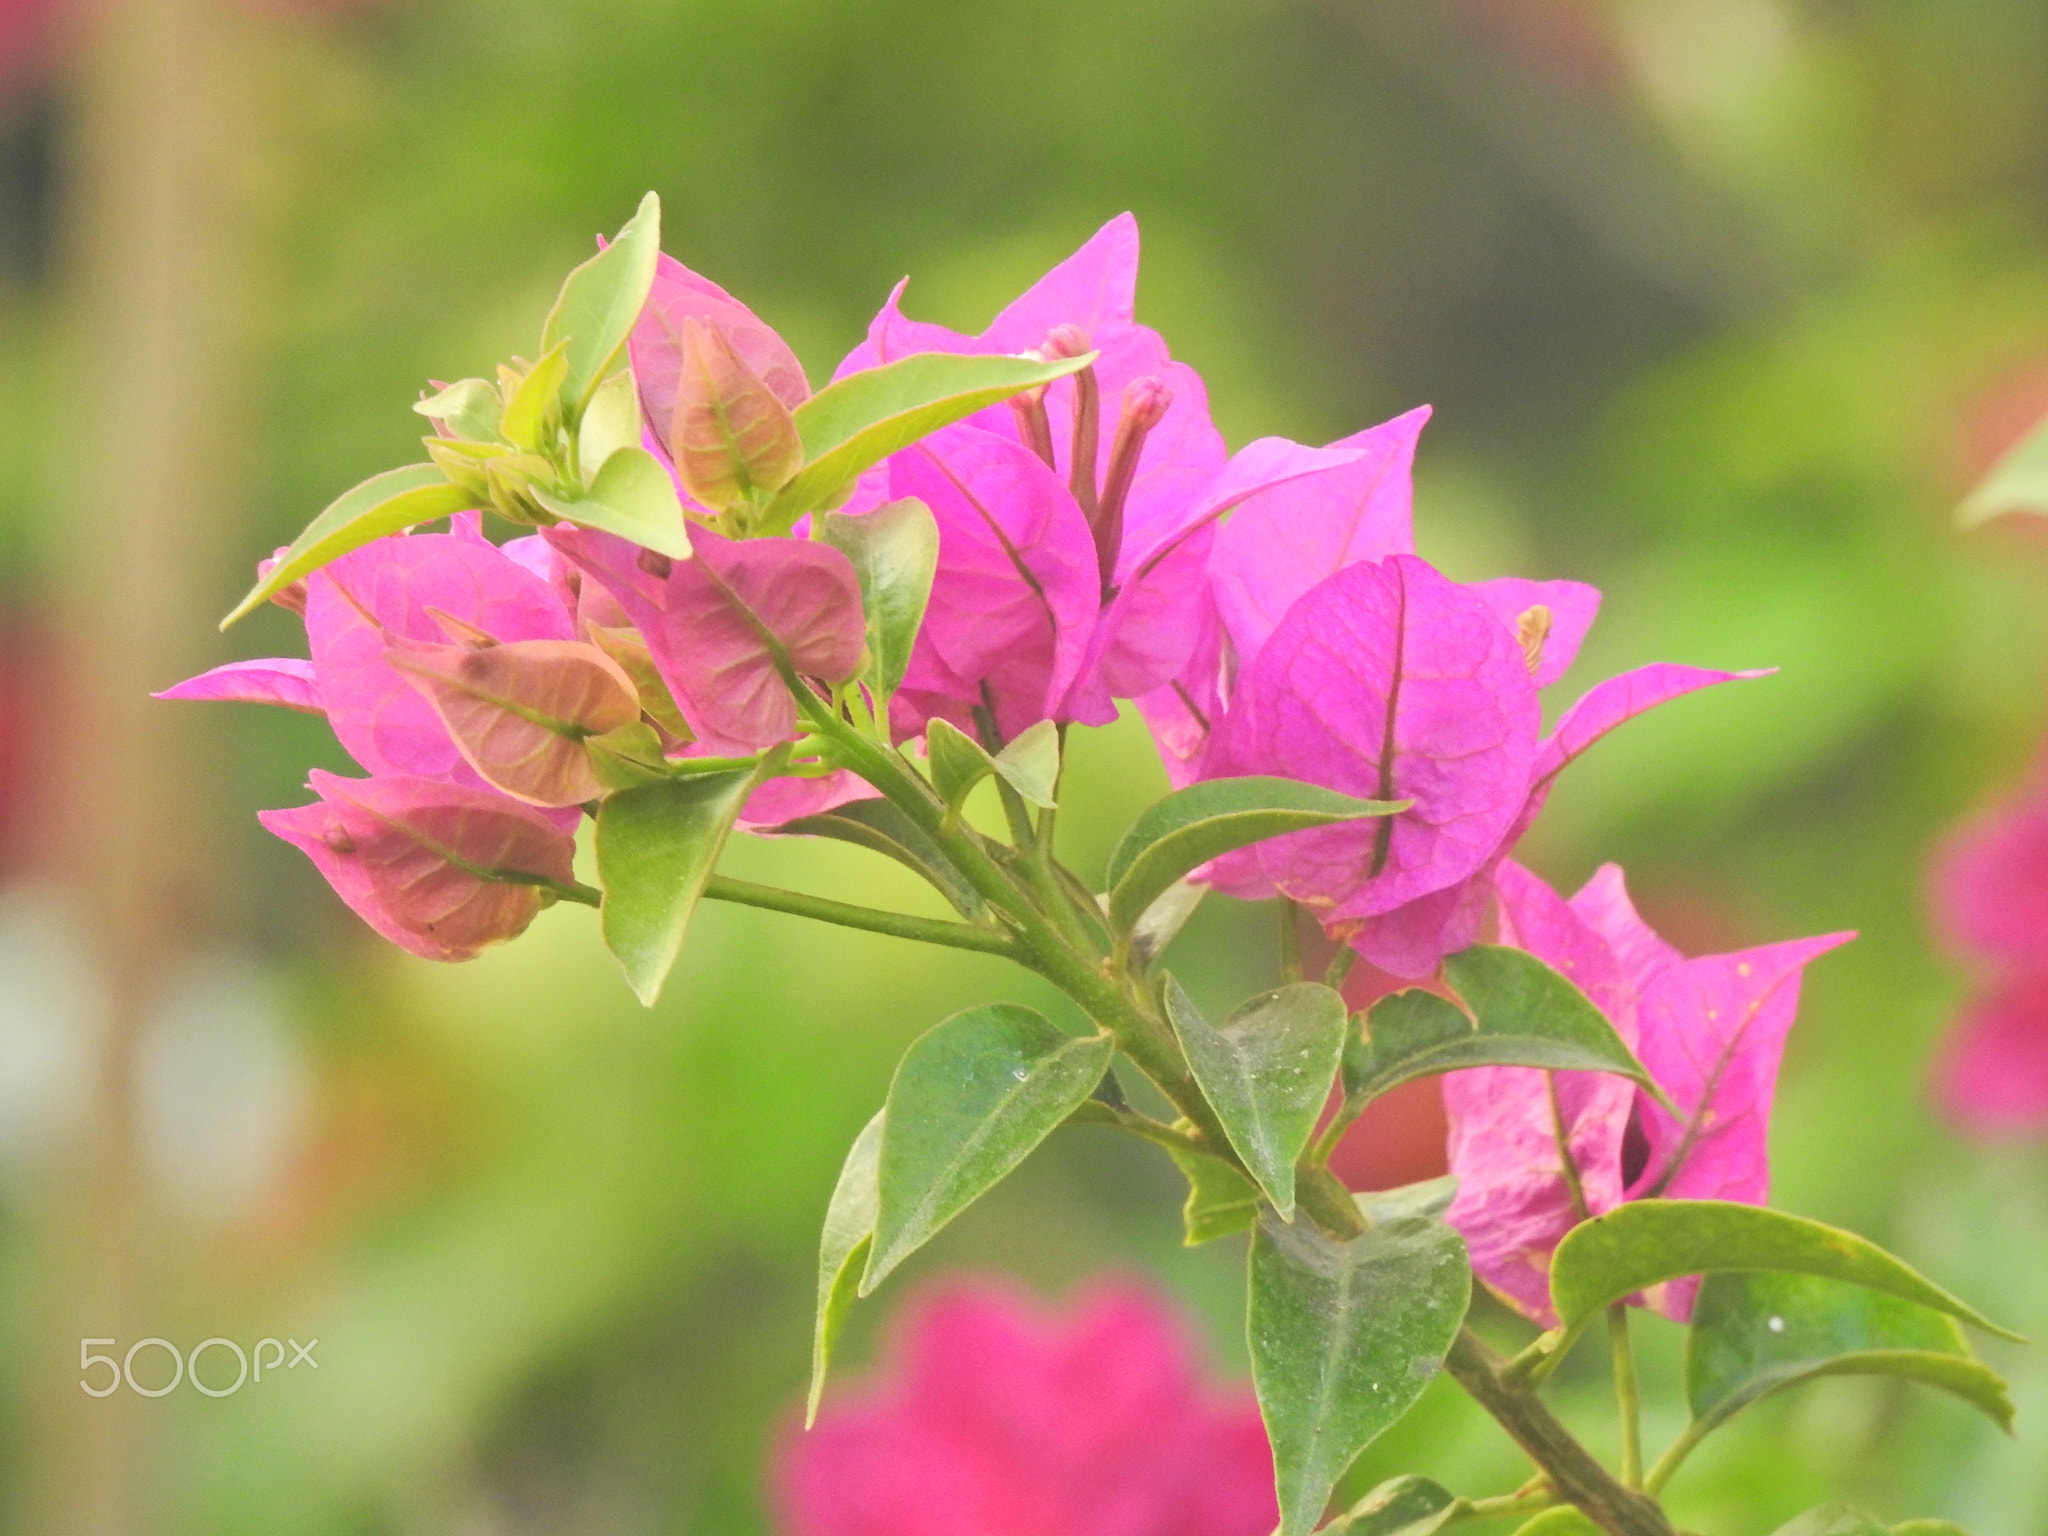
159, 227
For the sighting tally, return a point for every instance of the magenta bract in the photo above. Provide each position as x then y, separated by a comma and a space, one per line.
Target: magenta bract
281, 680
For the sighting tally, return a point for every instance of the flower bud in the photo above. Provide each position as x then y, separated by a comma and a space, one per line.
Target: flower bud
1145, 403
290, 597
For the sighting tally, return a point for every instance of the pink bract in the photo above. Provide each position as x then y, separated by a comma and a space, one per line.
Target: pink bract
280, 680
998, 1420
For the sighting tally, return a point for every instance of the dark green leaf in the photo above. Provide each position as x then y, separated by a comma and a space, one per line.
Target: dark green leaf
842, 1250
633, 497
1403, 1506
1834, 1520
1646, 1242
657, 846
1344, 1337
600, 300
860, 420
969, 1101
1194, 825
1220, 1199
1755, 1333
1524, 1014
882, 827
2018, 482
895, 553
468, 409
382, 504
1266, 1072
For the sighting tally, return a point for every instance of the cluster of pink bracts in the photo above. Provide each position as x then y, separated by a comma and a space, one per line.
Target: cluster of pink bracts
1265, 610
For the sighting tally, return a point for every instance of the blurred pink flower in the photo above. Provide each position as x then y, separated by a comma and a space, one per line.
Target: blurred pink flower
1990, 891
997, 1420
1710, 1030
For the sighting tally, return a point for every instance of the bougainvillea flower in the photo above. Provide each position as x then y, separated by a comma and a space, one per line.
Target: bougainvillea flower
999, 1421
1990, 895
1710, 1031
408, 855
722, 624
1101, 596
282, 680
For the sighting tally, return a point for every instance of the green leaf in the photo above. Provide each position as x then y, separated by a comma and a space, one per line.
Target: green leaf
1030, 764
2018, 482
1344, 1337
895, 553
600, 300
1565, 1520
1425, 1197
883, 828
1524, 1014
525, 424
1220, 1199
1266, 1071
469, 410
842, 1249
969, 1102
858, 421
1194, 825
1756, 1333
1834, 1520
612, 422
1160, 924
657, 846
1402, 1506
382, 504
1646, 1242
633, 497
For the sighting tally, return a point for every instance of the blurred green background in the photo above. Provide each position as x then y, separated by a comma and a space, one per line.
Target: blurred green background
1721, 304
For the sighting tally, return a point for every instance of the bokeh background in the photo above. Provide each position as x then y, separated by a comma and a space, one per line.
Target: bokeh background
1721, 304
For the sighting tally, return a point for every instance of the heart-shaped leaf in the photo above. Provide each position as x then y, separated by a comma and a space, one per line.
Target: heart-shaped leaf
1647, 1242
1344, 1337
1524, 1014
969, 1101
519, 713
382, 504
860, 420
1402, 1506
882, 827
1194, 825
1030, 764
657, 847
1755, 1333
600, 300
632, 497
895, 553
842, 1250
1266, 1071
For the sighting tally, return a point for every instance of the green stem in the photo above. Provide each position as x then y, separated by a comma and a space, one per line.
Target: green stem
1339, 968
1627, 1396
899, 925
1674, 1458
1499, 1508
1290, 942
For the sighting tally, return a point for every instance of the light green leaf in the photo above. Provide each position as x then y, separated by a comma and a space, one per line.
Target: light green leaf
1565, 1520
1220, 1199
469, 409
1834, 1520
958, 761
2018, 482
895, 553
1402, 1506
600, 300
633, 497
1030, 764
612, 422
382, 504
1647, 1242
1266, 1071
1425, 1197
969, 1102
657, 846
858, 421
882, 827
1344, 1337
1524, 1014
1191, 826
1756, 1333
525, 423
842, 1249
